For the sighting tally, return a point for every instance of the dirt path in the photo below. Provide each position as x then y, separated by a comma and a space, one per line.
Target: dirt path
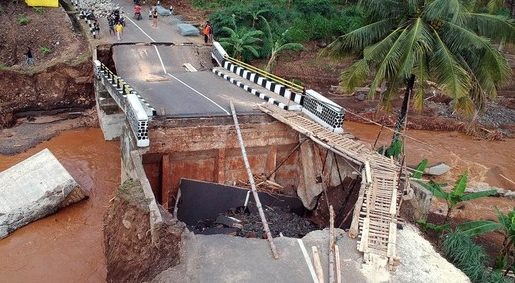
67, 246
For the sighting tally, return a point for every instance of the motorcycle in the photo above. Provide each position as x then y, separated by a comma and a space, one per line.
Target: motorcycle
137, 16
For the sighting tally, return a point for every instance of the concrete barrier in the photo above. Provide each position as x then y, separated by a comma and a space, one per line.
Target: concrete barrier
35, 188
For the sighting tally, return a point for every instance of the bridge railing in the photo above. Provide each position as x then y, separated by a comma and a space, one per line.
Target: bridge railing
315, 105
127, 100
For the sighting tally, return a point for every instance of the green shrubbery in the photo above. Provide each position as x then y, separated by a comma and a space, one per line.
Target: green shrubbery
305, 20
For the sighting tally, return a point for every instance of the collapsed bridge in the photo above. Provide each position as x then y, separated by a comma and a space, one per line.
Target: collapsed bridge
170, 109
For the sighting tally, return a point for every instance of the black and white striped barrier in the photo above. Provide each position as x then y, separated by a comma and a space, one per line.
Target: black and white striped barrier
256, 92
128, 101
316, 106
266, 83
83, 14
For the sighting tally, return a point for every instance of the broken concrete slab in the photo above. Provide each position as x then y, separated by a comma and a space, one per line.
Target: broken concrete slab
35, 188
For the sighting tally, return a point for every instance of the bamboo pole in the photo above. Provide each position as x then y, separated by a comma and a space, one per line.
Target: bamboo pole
331, 244
253, 184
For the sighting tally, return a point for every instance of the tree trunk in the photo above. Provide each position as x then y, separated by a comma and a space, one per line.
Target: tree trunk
404, 109
271, 62
449, 209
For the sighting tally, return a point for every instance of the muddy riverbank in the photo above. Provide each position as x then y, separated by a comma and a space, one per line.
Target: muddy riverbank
66, 246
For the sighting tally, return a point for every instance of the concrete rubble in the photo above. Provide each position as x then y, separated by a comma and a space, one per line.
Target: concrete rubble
35, 188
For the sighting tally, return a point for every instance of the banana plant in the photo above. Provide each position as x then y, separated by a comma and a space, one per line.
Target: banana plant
456, 195
506, 225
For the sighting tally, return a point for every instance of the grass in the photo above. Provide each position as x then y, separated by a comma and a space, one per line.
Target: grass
45, 50
39, 10
23, 20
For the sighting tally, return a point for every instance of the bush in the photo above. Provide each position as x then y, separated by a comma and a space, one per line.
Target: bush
23, 20
315, 7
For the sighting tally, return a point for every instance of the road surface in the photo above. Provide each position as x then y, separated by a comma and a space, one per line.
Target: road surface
157, 73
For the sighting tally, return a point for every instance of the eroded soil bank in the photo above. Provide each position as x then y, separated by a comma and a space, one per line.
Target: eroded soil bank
61, 78
135, 250
66, 246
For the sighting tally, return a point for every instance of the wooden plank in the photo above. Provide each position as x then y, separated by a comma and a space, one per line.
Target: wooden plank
318, 265
338, 264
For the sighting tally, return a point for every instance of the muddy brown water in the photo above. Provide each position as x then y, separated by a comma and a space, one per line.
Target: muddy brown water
66, 246
485, 160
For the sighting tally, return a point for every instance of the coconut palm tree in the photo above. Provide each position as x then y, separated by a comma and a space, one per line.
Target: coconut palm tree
410, 42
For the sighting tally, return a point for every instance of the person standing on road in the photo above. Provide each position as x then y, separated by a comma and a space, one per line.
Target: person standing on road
154, 17
110, 22
118, 28
208, 32
30, 58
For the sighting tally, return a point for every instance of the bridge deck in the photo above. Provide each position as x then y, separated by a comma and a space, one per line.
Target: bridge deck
157, 74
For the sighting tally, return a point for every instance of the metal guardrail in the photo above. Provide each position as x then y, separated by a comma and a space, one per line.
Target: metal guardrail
291, 85
126, 99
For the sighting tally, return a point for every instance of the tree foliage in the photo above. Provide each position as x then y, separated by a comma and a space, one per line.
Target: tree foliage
444, 41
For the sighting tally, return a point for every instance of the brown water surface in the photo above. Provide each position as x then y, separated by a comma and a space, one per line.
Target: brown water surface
66, 246
487, 161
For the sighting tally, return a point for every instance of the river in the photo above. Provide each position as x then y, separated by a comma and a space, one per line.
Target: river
489, 162
66, 246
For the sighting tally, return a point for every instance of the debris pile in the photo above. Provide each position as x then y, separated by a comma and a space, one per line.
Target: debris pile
247, 223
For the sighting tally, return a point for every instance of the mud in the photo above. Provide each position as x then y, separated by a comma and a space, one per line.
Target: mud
58, 87
135, 250
487, 161
67, 246
32, 130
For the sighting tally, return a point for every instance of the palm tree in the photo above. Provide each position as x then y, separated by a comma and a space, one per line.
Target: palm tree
240, 41
409, 43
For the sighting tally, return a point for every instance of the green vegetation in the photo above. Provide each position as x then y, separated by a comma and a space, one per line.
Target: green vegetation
456, 195
458, 245
289, 22
506, 226
23, 20
242, 42
470, 258
45, 50
39, 10
408, 43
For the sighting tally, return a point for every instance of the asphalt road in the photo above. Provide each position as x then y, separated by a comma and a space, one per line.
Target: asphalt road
157, 72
